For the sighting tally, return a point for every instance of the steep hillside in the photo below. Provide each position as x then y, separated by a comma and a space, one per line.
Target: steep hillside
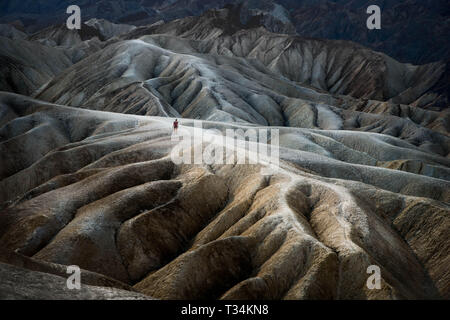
403, 35
335, 66
299, 162
25, 66
106, 196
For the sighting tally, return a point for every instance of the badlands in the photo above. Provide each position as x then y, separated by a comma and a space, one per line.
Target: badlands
87, 177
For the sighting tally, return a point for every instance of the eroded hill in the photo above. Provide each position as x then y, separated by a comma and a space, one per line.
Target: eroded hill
104, 194
87, 175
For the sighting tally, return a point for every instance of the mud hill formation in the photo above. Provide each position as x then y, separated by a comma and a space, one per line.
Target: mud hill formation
87, 179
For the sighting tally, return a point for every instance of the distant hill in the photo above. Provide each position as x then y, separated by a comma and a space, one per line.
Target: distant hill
403, 35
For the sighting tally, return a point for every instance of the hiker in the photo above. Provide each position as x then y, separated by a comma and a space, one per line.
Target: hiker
175, 125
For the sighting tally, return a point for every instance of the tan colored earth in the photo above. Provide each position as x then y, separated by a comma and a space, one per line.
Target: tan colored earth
87, 177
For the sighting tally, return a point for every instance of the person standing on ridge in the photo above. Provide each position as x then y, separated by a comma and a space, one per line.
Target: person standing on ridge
175, 125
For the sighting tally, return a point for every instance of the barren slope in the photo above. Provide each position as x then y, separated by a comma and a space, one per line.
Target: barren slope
25, 66
87, 178
339, 67
140, 77
105, 195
